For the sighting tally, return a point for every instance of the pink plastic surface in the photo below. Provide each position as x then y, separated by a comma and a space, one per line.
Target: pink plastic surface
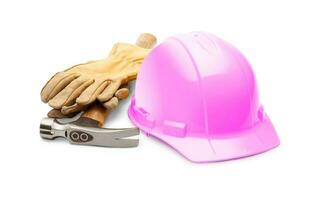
198, 94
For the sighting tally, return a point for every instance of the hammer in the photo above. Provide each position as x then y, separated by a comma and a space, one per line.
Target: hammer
87, 130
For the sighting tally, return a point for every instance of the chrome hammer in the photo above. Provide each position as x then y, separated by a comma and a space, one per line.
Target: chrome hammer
86, 130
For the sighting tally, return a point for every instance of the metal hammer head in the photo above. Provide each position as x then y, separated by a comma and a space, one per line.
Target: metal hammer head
46, 128
78, 134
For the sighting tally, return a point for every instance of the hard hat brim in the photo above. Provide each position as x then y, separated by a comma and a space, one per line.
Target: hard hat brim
257, 139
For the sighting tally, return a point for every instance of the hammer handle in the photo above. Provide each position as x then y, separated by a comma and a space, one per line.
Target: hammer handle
98, 112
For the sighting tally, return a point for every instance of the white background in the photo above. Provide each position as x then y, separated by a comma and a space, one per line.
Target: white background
39, 38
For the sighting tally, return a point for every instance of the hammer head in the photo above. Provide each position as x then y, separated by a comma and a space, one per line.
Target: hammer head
84, 135
46, 128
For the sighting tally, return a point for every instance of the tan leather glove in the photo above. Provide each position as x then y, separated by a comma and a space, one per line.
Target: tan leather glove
75, 88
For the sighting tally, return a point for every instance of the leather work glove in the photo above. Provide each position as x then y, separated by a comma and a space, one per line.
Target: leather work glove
106, 80
121, 94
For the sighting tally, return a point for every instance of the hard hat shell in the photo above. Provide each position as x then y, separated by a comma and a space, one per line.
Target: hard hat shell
198, 94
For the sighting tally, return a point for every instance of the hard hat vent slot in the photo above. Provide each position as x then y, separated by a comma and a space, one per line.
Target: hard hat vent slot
176, 129
261, 113
143, 116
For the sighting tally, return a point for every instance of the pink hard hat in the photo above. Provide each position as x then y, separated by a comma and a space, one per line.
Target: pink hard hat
198, 94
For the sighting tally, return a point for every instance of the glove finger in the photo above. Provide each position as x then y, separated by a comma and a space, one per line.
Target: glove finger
70, 93
56, 84
109, 91
111, 104
75, 108
71, 100
54, 113
122, 93
50, 85
90, 94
